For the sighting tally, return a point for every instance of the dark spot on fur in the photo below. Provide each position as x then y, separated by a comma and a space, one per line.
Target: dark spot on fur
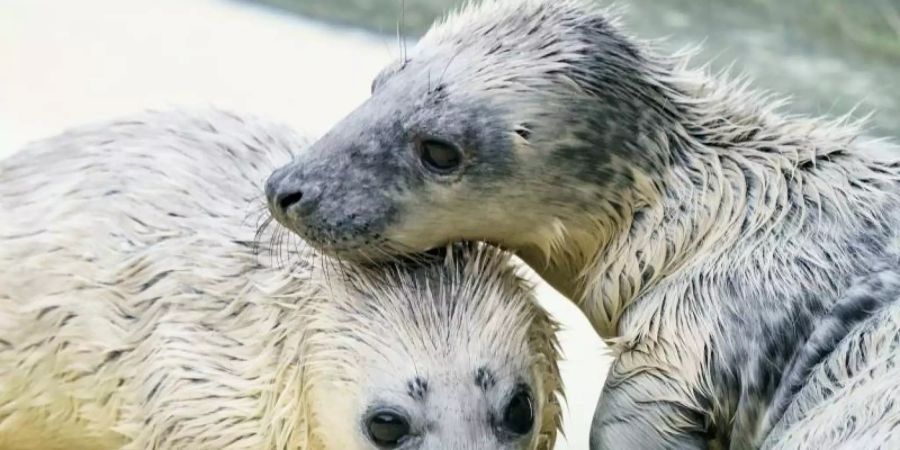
647, 274
156, 279
67, 319
417, 388
112, 356
484, 378
861, 308
154, 390
44, 311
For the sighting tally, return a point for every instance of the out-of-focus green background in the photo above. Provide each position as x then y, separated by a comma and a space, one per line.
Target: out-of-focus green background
830, 55
871, 26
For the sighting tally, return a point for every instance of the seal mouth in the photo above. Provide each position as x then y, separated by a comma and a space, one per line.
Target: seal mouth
433, 255
382, 250
377, 249
281, 236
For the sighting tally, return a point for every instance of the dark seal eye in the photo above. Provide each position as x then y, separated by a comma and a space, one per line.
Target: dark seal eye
439, 156
387, 429
518, 417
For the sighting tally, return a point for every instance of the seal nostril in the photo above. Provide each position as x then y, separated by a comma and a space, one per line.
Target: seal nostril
289, 200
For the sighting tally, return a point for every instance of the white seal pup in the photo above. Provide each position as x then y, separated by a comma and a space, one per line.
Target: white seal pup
704, 232
138, 312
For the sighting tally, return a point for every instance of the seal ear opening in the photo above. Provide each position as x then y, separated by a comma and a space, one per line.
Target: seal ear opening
524, 131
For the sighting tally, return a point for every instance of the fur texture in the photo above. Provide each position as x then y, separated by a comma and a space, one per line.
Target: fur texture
704, 232
841, 390
139, 309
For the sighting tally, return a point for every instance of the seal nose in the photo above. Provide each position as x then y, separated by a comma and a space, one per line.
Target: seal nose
288, 199
288, 196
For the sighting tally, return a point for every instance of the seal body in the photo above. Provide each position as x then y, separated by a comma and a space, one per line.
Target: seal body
141, 307
840, 390
704, 232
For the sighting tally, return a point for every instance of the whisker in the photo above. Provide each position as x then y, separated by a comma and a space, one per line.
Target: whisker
402, 28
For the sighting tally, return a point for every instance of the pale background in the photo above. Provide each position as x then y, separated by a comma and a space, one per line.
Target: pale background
64, 63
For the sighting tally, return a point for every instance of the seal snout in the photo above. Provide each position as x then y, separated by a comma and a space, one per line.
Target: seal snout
290, 199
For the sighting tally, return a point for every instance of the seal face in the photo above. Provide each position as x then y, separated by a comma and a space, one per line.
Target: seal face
536, 115
427, 368
160, 317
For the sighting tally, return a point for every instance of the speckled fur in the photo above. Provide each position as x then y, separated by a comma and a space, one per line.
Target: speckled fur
703, 231
845, 398
139, 309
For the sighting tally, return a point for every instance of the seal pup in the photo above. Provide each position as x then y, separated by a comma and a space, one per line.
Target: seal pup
703, 231
139, 311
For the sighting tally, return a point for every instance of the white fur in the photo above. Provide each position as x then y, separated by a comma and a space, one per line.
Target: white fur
139, 309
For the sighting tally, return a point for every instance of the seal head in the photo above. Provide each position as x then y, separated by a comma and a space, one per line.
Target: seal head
444, 355
550, 106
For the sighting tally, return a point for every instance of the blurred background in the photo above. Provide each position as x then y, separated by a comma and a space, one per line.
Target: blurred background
309, 62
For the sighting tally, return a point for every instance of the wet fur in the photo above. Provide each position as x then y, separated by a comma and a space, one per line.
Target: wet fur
140, 309
704, 232
840, 391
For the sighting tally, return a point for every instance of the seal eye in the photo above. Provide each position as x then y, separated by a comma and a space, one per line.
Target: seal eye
387, 429
439, 156
518, 417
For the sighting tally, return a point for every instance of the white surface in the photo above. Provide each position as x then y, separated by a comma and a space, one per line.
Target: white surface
64, 63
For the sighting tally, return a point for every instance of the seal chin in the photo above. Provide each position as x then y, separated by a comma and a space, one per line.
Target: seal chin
373, 249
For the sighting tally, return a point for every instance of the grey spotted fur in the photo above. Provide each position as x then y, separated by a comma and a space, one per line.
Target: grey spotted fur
704, 232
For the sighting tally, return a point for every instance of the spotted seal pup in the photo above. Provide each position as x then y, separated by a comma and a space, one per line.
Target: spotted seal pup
702, 231
138, 312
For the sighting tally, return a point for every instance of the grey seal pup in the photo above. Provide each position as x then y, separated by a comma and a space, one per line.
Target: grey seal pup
703, 231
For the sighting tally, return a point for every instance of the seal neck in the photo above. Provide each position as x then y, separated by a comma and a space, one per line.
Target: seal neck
740, 180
